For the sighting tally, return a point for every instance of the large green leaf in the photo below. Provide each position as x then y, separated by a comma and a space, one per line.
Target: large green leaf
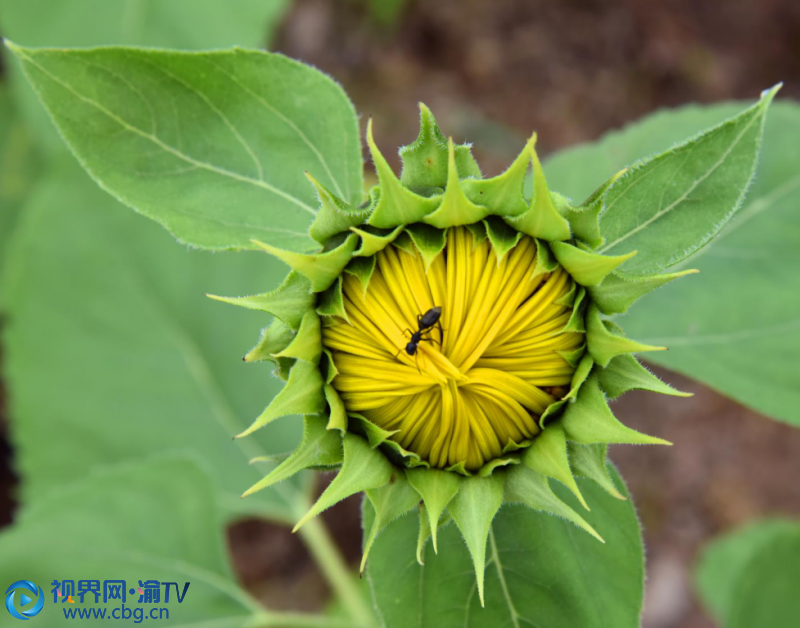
163, 526
540, 571
114, 352
579, 170
185, 24
153, 520
748, 579
212, 145
735, 326
671, 205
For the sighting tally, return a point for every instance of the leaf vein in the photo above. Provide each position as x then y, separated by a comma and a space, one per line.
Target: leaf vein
286, 120
503, 585
166, 147
686, 194
226, 121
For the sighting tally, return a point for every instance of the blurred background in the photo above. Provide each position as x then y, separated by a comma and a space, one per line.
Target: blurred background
493, 72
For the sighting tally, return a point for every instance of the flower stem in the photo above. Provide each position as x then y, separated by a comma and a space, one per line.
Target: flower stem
330, 561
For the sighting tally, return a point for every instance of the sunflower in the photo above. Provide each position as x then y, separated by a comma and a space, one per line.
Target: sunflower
450, 345
477, 390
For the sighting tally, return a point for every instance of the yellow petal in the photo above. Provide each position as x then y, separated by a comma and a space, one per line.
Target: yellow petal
480, 379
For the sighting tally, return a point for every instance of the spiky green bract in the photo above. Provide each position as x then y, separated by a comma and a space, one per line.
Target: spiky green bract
389, 502
473, 509
441, 187
436, 488
320, 448
363, 468
526, 486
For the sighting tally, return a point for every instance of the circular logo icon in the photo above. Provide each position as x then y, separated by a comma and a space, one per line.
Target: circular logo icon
24, 587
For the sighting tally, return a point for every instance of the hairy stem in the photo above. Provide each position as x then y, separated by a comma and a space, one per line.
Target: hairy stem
327, 556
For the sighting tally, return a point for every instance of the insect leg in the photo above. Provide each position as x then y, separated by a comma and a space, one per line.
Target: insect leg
402, 348
430, 339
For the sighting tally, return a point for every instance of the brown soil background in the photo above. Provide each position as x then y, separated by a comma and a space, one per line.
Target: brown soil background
570, 69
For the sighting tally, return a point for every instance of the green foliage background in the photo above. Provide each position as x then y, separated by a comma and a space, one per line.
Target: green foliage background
140, 373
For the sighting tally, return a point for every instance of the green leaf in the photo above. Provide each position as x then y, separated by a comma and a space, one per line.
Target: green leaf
748, 578
164, 525
670, 206
132, 356
742, 308
541, 570
137, 23
211, 145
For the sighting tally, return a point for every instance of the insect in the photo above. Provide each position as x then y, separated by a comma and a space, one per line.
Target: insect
426, 322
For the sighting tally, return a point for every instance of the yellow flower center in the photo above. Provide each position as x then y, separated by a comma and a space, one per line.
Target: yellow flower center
475, 390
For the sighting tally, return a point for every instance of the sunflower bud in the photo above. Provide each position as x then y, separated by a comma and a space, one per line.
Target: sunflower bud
448, 345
